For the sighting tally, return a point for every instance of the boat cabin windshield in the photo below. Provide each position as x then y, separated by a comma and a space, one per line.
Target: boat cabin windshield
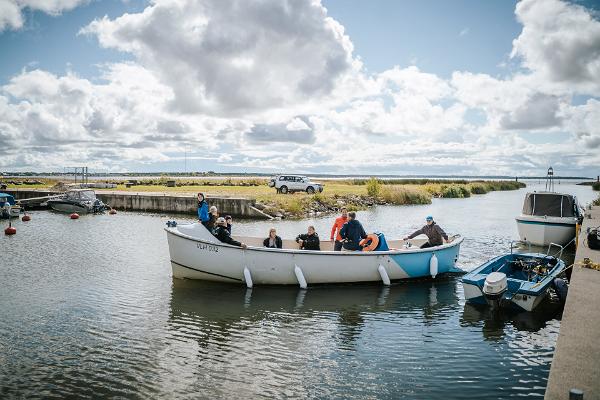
550, 204
81, 195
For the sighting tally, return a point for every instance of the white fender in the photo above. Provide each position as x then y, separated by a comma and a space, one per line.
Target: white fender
248, 277
433, 266
300, 277
384, 276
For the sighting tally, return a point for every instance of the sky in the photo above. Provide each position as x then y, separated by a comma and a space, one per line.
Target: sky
301, 86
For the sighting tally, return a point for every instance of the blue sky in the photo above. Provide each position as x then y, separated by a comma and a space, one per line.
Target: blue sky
384, 33
430, 86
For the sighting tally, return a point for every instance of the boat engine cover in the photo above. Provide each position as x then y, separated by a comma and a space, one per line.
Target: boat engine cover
495, 284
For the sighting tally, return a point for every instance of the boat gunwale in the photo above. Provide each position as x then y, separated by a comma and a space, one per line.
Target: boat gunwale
455, 242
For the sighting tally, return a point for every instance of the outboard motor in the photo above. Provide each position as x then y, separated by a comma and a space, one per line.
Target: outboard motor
98, 206
494, 288
561, 289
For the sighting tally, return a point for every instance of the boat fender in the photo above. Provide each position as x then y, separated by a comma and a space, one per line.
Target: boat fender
248, 277
11, 230
560, 288
25, 218
74, 216
433, 265
384, 276
300, 277
369, 243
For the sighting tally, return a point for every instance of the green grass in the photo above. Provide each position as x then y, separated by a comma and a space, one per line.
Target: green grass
373, 187
399, 195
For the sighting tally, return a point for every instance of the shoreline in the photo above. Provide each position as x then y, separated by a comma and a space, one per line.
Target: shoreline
355, 194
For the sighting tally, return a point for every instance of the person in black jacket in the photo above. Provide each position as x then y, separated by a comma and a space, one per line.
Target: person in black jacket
273, 241
310, 240
229, 222
352, 232
221, 233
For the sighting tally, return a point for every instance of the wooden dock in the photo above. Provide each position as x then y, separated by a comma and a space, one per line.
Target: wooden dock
576, 363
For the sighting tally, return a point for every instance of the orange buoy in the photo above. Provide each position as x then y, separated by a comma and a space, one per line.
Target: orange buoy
25, 218
369, 243
112, 211
10, 230
74, 216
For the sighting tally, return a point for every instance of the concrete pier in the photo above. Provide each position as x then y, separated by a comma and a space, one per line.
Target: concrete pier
576, 362
159, 202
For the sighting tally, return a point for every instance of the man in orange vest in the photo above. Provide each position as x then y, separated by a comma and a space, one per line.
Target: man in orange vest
337, 227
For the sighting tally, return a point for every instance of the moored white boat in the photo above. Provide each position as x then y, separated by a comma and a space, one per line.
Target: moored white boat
80, 201
548, 217
8, 206
197, 254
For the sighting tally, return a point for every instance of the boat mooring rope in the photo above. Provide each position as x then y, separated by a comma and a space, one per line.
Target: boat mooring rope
587, 263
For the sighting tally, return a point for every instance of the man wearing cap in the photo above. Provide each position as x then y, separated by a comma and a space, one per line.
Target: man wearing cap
221, 233
433, 232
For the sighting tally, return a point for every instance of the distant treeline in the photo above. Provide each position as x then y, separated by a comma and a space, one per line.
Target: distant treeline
496, 185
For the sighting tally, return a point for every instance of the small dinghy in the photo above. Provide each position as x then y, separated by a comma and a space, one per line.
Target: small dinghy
521, 280
197, 254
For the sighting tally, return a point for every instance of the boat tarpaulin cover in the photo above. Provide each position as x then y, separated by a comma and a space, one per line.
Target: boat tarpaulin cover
81, 195
549, 204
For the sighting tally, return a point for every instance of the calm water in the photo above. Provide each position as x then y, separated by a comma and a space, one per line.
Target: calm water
88, 308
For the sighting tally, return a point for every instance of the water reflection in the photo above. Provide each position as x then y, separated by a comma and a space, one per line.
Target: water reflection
494, 323
231, 303
355, 341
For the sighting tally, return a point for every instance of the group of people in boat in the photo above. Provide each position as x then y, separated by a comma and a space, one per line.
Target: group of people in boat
219, 226
347, 232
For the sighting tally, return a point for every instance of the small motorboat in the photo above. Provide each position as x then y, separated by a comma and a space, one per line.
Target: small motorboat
521, 280
196, 254
549, 217
81, 201
8, 206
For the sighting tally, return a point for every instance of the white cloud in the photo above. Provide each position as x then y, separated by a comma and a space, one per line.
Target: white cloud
235, 56
560, 42
274, 85
11, 16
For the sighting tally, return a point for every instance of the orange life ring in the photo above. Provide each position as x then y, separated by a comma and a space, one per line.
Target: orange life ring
369, 243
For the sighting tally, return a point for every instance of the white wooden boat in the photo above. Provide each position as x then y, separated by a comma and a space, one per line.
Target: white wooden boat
197, 254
